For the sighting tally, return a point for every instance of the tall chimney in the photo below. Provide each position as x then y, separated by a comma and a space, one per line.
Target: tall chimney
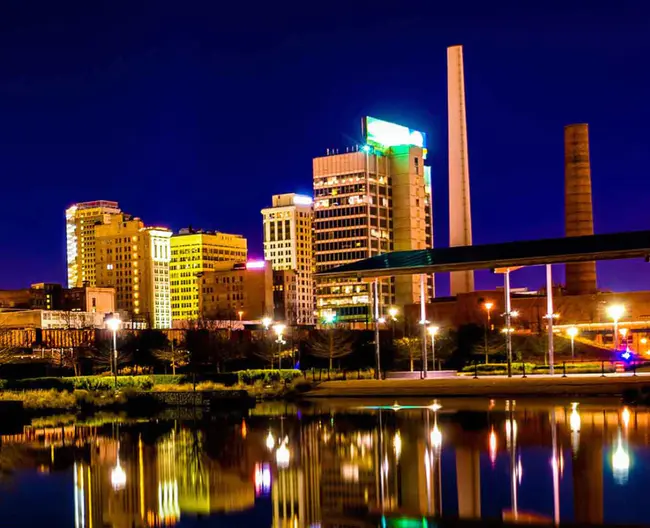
460, 215
578, 209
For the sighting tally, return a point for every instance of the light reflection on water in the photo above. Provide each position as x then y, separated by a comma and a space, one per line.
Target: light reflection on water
334, 464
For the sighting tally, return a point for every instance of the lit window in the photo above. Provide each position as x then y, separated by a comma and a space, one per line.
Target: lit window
109, 266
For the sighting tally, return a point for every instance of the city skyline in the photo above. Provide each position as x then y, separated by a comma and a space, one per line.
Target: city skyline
170, 151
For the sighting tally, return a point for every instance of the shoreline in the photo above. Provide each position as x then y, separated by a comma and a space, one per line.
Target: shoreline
628, 386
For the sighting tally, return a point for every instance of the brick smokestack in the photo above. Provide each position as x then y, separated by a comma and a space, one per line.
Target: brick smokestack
578, 209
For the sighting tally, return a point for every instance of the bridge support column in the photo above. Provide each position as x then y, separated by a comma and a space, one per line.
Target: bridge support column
549, 316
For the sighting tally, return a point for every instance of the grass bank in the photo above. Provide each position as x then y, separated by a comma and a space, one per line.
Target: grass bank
96, 393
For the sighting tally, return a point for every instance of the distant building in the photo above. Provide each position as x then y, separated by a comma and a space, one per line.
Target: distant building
367, 202
52, 296
51, 319
134, 260
194, 252
16, 299
88, 299
285, 296
46, 296
81, 220
237, 291
288, 246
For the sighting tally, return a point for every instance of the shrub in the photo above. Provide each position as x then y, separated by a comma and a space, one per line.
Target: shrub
42, 399
169, 379
267, 376
81, 383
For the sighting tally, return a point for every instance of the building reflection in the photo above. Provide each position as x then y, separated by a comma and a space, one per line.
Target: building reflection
328, 469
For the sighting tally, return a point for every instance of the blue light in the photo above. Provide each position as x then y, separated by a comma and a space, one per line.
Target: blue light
366, 148
626, 355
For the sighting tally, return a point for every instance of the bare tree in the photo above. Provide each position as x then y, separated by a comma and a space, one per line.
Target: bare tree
173, 356
409, 348
103, 356
331, 344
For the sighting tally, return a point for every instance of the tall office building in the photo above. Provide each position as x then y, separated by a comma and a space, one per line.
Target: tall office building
80, 222
367, 202
578, 209
134, 260
460, 215
193, 253
288, 246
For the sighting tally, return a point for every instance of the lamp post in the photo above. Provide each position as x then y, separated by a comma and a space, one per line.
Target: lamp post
433, 330
488, 307
240, 313
393, 319
615, 312
114, 325
279, 330
267, 322
573, 332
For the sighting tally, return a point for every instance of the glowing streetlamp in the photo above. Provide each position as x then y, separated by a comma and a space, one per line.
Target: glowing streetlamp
329, 318
644, 342
433, 330
615, 312
392, 311
113, 324
267, 321
279, 331
381, 320
488, 305
572, 332
240, 314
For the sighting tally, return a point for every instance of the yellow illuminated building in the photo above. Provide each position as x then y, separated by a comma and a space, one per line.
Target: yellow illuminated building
192, 254
134, 260
81, 220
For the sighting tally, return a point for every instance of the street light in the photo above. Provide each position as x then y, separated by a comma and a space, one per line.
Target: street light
392, 311
572, 332
644, 342
113, 324
488, 307
240, 313
433, 330
329, 317
615, 312
279, 330
267, 322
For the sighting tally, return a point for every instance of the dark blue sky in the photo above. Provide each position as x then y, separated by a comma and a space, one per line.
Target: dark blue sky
197, 112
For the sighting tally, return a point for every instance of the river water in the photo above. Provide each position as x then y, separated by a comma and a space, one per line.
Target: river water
333, 464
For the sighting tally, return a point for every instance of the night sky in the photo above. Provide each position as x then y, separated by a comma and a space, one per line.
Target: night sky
197, 112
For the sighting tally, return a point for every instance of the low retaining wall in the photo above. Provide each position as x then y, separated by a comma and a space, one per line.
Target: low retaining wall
203, 398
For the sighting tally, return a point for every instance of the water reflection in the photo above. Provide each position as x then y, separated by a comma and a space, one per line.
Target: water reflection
343, 465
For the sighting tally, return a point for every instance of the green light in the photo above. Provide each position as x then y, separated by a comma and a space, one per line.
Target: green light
385, 134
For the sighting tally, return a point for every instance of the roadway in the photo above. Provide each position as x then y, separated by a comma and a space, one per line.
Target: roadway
487, 386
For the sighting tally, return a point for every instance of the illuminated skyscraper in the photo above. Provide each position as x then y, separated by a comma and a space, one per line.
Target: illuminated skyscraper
134, 260
194, 253
367, 202
460, 214
80, 222
288, 246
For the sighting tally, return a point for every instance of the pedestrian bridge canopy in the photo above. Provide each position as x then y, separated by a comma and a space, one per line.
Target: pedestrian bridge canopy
612, 246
